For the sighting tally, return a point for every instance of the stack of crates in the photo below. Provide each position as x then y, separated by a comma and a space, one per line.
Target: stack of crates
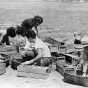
62, 49
54, 48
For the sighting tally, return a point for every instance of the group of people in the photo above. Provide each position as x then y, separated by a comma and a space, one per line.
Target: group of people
26, 37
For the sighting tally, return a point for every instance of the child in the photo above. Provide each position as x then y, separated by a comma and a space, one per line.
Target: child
20, 36
37, 45
8, 37
28, 24
32, 23
37, 21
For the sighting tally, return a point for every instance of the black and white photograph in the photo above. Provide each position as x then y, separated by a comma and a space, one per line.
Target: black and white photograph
44, 43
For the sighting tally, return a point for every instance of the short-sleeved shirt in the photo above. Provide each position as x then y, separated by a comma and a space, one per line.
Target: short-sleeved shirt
39, 44
21, 40
27, 45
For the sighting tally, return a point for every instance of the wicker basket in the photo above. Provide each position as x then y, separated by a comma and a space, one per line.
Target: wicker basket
36, 70
62, 49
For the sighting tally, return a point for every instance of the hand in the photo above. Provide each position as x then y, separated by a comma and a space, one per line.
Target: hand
23, 53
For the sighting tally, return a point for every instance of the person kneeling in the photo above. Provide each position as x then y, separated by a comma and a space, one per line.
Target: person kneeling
35, 44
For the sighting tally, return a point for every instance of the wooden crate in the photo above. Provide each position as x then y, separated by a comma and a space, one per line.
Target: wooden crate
2, 67
71, 77
7, 48
60, 65
35, 71
74, 79
53, 48
62, 49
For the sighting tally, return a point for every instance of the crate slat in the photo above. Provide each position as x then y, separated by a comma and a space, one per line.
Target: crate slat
33, 75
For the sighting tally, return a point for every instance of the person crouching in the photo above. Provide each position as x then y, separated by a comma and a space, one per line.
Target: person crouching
35, 44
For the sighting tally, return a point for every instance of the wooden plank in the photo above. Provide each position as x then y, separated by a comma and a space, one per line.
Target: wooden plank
32, 69
73, 56
33, 75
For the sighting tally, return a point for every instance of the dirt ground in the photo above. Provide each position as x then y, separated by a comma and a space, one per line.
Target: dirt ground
55, 80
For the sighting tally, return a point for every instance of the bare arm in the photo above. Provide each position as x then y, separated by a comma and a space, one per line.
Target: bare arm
36, 58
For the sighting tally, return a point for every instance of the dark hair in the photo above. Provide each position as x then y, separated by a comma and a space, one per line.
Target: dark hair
11, 31
31, 34
20, 31
28, 24
38, 20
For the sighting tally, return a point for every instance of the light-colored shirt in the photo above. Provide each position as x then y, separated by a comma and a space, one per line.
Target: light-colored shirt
39, 44
17, 41
12, 40
27, 45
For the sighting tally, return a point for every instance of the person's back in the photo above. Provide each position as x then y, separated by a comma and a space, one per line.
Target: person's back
8, 37
37, 43
45, 50
32, 23
5, 39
